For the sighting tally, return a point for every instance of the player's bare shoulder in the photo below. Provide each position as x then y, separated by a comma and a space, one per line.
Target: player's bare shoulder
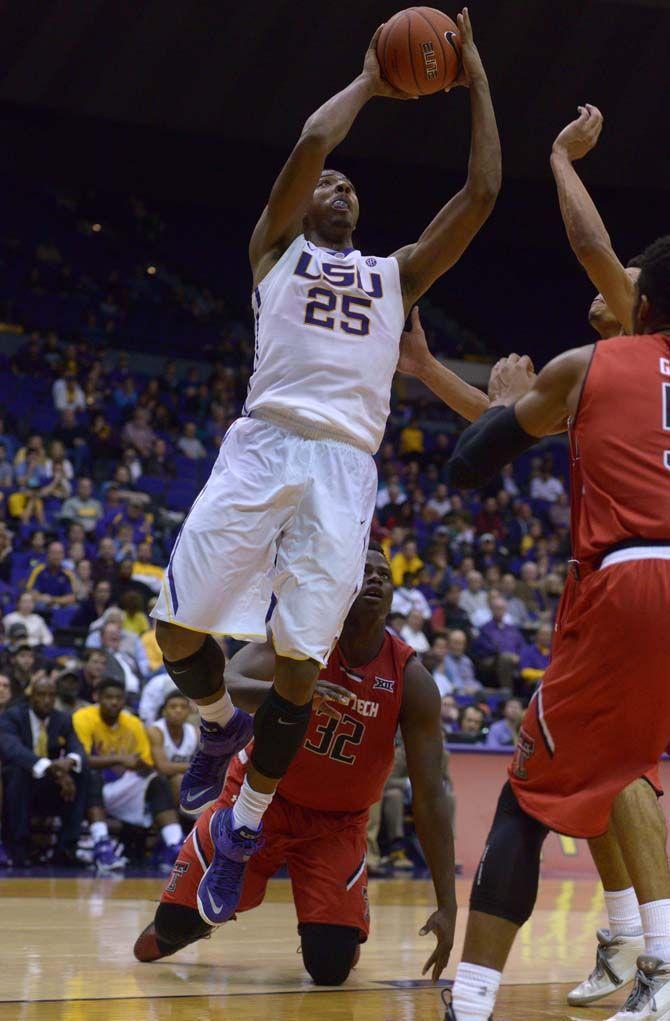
263, 261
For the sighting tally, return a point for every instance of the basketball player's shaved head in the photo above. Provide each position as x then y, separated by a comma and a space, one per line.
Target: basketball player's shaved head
333, 212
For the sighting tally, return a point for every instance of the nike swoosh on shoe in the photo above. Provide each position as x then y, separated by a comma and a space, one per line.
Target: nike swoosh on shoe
193, 795
217, 907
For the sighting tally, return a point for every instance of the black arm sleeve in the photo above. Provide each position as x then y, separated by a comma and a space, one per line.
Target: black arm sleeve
486, 446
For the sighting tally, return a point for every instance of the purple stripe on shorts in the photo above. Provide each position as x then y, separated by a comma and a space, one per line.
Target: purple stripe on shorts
173, 590
170, 572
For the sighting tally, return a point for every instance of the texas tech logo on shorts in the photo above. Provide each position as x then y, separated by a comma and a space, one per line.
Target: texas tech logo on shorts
525, 749
179, 869
383, 684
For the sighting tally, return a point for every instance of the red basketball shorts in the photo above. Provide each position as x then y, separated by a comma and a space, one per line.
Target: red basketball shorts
324, 853
601, 717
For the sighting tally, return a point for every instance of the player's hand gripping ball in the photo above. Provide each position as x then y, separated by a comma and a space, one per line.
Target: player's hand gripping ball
419, 51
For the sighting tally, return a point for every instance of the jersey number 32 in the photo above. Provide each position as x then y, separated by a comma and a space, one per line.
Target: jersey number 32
338, 746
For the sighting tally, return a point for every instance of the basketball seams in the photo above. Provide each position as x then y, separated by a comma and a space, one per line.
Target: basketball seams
419, 11
411, 50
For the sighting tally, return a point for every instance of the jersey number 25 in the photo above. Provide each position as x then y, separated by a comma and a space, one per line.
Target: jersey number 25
326, 310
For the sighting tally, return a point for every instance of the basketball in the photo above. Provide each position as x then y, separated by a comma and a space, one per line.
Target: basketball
419, 51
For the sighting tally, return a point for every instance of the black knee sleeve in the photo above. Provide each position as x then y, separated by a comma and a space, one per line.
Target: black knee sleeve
201, 674
508, 874
177, 926
158, 797
328, 951
279, 730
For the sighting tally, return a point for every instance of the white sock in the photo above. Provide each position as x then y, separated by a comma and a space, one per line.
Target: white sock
99, 831
250, 807
656, 926
475, 990
220, 712
623, 912
172, 834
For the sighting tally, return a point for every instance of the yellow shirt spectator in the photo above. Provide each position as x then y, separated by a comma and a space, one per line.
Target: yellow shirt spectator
152, 649
125, 737
407, 561
411, 440
138, 622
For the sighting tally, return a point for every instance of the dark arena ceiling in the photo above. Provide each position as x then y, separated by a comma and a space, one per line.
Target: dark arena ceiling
251, 72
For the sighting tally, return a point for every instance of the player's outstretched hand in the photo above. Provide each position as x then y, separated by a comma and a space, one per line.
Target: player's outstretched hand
325, 693
372, 71
414, 351
472, 68
511, 378
443, 923
581, 135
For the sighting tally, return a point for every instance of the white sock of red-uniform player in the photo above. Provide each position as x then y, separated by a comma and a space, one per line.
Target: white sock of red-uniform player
656, 927
623, 912
475, 990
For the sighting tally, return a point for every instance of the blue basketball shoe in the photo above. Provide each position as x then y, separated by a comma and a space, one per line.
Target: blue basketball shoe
203, 780
220, 888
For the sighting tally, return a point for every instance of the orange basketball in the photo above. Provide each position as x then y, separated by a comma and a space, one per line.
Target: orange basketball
419, 51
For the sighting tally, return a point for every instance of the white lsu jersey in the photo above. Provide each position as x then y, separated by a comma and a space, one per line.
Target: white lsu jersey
189, 742
328, 328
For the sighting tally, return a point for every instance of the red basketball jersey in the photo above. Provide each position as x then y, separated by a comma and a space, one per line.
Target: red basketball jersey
343, 764
620, 446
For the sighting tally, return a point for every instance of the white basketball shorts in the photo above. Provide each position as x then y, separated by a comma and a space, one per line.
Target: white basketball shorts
280, 514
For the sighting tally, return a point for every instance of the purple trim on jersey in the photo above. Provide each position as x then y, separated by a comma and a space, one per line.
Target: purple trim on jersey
332, 251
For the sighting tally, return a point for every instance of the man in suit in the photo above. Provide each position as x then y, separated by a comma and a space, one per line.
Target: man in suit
42, 772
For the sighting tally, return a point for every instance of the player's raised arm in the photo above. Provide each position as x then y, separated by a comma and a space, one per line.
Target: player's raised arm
586, 231
523, 409
446, 238
282, 217
417, 360
422, 737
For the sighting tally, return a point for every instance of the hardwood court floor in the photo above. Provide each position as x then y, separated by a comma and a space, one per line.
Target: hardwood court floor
66, 955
